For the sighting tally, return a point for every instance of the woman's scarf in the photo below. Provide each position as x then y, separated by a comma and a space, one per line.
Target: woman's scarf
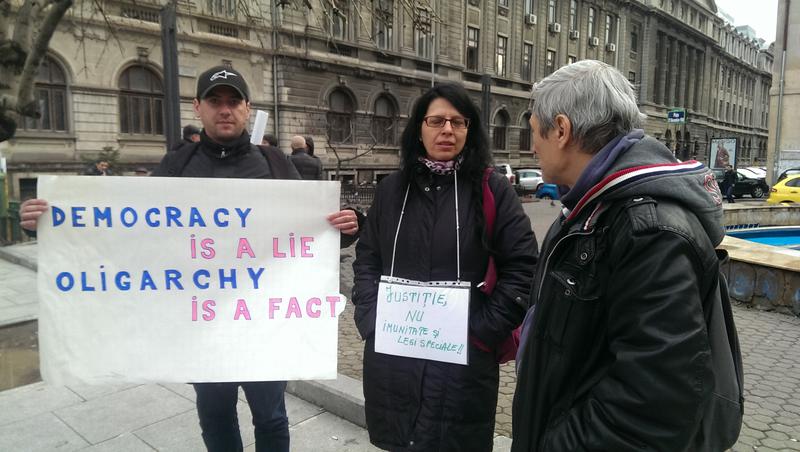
443, 168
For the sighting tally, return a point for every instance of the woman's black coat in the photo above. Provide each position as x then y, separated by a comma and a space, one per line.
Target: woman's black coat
416, 404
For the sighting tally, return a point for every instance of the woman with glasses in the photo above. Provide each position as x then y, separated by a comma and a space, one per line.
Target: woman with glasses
430, 368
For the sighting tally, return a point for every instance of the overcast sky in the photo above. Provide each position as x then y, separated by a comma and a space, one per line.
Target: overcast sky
762, 15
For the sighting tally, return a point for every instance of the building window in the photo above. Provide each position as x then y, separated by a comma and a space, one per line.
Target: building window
384, 20
51, 94
592, 31
632, 77
573, 15
384, 123
338, 13
222, 8
571, 59
500, 129
527, 62
525, 133
503, 3
141, 102
500, 62
610, 32
550, 62
552, 11
529, 7
634, 39
340, 117
473, 41
422, 34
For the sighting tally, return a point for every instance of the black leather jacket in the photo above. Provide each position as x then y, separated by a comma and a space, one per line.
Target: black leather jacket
616, 355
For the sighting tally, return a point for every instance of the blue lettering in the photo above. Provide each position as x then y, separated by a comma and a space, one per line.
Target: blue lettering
77, 215
196, 279
255, 275
58, 216
173, 277
148, 217
195, 218
227, 279
102, 214
147, 280
123, 285
217, 220
84, 284
243, 215
133, 214
173, 215
70, 281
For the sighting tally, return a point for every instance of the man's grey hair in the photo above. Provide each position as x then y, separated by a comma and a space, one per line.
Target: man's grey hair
598, 100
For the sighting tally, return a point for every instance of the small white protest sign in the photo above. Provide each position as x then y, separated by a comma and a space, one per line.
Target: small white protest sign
427, 320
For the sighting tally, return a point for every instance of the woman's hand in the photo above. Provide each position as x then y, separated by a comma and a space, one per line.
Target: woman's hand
345, 221
30, 211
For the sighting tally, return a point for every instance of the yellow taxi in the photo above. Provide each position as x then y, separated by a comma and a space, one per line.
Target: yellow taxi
785, 191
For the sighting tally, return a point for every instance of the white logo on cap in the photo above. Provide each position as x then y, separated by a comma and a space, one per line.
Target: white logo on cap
222, 74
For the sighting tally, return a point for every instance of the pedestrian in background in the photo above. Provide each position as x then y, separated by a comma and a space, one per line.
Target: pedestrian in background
99, 168
224, 150
411, 232
728, 183
308, 167
615, 350
191, 134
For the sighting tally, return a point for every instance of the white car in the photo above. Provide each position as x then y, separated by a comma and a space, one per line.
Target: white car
505, 170
529, 179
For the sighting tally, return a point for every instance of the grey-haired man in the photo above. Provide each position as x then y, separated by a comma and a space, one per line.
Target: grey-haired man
615, 353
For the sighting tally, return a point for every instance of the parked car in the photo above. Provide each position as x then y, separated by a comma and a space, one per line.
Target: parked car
746, 183
758, 171
788, 172
505, 169
547, 191
785, 191
528, 180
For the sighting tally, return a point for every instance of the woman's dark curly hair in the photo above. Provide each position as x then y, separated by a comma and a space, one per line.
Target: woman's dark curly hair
476, 152
477, 156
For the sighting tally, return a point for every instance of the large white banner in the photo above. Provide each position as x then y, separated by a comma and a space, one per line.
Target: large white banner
187, 280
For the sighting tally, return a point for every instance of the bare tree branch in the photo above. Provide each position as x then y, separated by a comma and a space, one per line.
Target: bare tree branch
54, 13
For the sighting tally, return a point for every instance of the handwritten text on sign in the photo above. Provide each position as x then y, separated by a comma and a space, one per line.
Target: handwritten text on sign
187, 280
422, 320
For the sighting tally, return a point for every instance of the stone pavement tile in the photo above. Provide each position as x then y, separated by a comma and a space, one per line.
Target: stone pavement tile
6, 302
182, 389
328, 433
123, 443
176, 434
104, 418
89, 392
501, 444
31, 400
44, 432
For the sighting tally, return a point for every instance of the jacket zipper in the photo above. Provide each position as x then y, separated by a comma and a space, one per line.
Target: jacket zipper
547, 261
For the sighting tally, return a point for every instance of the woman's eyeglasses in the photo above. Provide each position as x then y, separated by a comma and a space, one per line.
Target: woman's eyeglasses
437, 122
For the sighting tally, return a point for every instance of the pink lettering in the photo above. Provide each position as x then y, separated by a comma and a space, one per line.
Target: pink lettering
241, 310
208, 310
305, 247
194, 309
294, 307
275, 246
193, 247
244, 248
313, 313
273, 306
332, 301
208, 250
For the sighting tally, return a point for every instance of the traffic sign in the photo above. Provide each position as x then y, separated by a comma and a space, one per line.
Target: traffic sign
677, 116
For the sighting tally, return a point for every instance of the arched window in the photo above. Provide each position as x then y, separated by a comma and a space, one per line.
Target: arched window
384, 122
51, 93
500, 129
525, 133
141, 102
340, 117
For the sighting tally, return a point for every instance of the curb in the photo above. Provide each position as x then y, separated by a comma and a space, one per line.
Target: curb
18, 259
343, 397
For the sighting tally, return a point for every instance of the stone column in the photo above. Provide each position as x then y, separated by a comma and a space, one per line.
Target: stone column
690, 77
661, 69
672, 72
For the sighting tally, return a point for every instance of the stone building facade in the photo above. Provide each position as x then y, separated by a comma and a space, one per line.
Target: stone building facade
347, 72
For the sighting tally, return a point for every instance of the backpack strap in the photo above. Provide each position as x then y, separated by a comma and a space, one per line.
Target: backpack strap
489, 214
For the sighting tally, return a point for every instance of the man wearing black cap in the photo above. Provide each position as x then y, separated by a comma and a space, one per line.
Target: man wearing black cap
224, 150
